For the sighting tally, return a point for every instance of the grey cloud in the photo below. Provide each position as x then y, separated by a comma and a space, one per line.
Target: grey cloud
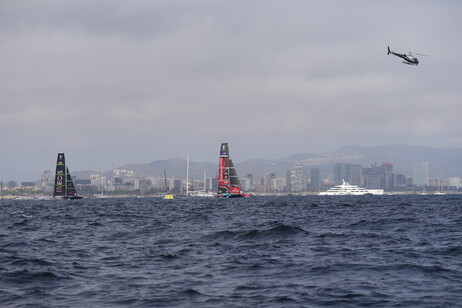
143, 80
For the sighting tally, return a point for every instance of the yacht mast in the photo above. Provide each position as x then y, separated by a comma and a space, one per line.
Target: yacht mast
187, 176
165, 179
102, 184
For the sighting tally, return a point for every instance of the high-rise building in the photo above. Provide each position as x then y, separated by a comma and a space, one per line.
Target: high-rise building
400, 182
278, 184
388, 183
47, 181
341, 173
142, 184
453, 183
247, 182
374, 180
11, 184
420, 174
268, 182
117, 180
297, 178
379, 176
386, 168
209, 185
315, 179
356, 175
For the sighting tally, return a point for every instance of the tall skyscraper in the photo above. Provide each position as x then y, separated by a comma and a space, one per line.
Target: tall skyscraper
379, 176
247, 182
297, 178
341, 172
315, 179
356, 175
268, 182
420, 174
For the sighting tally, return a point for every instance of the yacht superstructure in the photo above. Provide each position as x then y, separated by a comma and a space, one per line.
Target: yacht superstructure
347, 189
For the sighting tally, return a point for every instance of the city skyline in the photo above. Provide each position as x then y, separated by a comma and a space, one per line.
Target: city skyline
344, 163
115, 82
298, 179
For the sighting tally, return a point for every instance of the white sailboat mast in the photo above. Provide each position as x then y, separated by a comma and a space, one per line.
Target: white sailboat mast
187, 176
102, 184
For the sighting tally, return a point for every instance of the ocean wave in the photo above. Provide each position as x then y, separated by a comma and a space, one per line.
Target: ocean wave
28, 276
398, 269
31, 261
192, 292
270, 252
278, 232
14, 244
381, 223
169, 256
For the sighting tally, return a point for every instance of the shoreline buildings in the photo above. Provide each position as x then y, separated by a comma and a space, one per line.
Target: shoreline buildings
297, 180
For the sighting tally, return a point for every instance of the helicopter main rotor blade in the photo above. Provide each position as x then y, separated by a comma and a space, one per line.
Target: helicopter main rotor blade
419, 54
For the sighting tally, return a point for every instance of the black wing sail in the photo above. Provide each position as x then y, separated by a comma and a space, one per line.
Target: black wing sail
233, 178
70, 191
60, 177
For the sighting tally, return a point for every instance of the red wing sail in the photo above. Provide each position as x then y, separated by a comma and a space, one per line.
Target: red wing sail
223, 170
228, 181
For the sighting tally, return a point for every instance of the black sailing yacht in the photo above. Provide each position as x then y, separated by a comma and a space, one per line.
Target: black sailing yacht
64, 186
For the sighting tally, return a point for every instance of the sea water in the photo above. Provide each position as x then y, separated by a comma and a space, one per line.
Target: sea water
313, 251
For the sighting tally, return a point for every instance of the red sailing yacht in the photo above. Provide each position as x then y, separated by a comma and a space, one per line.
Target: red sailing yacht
228, 181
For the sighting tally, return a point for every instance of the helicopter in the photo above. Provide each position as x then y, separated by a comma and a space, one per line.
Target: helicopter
408, 58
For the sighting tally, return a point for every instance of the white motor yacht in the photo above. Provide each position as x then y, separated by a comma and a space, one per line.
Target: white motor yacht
347, 189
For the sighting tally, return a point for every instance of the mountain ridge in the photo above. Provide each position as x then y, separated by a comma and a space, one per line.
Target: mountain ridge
443, 162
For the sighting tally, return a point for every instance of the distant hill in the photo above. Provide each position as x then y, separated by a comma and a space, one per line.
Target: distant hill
443, 162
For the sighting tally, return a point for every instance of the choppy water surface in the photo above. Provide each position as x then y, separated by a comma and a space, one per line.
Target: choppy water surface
376, 251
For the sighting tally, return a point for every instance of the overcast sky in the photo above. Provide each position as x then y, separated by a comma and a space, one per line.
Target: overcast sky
117, 82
